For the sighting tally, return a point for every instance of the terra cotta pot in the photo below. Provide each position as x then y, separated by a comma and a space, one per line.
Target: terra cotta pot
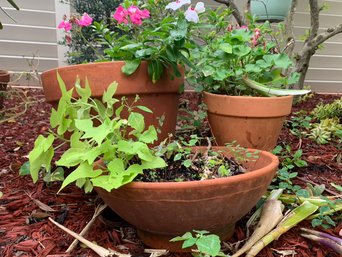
162, 97
253, 122
163, 210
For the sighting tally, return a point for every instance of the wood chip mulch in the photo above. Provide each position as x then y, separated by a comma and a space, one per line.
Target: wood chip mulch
25, 230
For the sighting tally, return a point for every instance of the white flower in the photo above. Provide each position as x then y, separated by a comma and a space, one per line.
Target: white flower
192, 13
178, 4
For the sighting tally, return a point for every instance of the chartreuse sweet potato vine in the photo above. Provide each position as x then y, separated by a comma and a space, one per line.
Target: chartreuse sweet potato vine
121, 143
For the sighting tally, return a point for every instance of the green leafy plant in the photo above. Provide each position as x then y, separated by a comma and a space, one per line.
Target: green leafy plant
328, 207
14, 5
325, 111
143, 31
105, 149
289, 161
325, 130
299, 123
81, 45
207, 244
239, 61
191, 120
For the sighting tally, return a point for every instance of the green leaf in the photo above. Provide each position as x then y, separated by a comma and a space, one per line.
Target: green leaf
136, 121
144, 108
189, 242
273, 91
226, 48
303, 193
131, 46
187, 235
24, 169
130, 66
109, 93
149, 135
85, 92
155, 163
116, 166
84, 170
98, 133
316, 222
187, 163
43, 160
107, 182
338, 187
209, 244
56, 175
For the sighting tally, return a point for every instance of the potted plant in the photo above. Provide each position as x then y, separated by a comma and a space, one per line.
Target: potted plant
270, 10
235, 68
4, 79
117, 160
145, 56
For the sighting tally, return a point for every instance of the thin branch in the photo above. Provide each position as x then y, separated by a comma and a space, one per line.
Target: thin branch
236, 12
97, 212
102, 252
314, 15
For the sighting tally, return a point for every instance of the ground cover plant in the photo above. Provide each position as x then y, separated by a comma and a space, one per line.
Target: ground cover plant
25, 206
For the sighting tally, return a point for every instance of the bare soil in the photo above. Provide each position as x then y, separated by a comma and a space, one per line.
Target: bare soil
25, 230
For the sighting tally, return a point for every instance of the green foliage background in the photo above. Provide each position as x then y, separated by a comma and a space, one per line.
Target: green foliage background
99, 10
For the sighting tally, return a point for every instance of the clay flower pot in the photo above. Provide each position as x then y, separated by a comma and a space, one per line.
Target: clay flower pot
4, 79
161, 211
162, 98
254, 122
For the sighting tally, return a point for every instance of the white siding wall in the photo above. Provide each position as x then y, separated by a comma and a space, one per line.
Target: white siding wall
33, 34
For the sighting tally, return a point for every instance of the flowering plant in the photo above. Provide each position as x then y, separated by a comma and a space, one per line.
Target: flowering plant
153, 31
232, 59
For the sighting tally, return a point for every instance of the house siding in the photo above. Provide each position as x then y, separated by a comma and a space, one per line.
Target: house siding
32, 38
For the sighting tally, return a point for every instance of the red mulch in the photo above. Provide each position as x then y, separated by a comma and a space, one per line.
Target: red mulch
25, 230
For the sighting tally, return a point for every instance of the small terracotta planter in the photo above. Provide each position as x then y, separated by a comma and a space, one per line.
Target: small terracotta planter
161, 211
254, 122
4, 79
162, 98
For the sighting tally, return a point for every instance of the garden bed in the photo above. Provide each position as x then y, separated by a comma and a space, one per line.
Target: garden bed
25, 230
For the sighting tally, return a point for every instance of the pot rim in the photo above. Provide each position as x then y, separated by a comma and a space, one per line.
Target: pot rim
247, 97
70, 67
273, 165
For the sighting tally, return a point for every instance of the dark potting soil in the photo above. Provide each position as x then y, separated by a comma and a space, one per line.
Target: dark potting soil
25, 230
176, 171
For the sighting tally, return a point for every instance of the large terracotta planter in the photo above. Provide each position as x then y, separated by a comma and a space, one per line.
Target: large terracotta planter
4, 79
272, 10
253, 122
162, 98
161, 211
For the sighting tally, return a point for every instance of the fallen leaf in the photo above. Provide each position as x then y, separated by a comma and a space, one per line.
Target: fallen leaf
285, 252
40, 215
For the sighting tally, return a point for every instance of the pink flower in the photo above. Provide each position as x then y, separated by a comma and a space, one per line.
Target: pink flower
121, 15
136, 15
64, 25
144, 14
85, 20
133, 13
243, 27
192, 13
